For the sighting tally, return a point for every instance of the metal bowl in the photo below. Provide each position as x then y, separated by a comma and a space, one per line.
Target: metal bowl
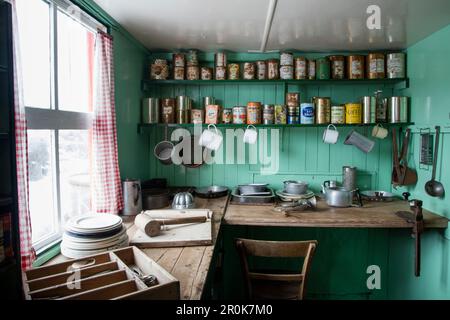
252, 188
183, 200
295, 187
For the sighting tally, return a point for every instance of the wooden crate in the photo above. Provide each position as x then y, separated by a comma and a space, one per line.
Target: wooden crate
101, 277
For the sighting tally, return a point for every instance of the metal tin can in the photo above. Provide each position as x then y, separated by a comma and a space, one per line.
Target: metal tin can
227, 116
280, 114
268, 114
398, 109
272, 69
368, 109
221, 73
220, 59
293, 115
183, 109
233, 71
261, 70
349, 175
287, 72
254, 113
179, 60
381, 111
249, 70
208, 100
193, 73
206, 73
168, 110
293, 119
323, 110
192, 58
375, 66
197, 116
323, 68
178, 73
150, 110
395, 65
286, 59
307, 113
239, 115
159, 70
337, 64
311, 69
212, 114
353, 113
292, 99
300, 68
355, 67
338, 114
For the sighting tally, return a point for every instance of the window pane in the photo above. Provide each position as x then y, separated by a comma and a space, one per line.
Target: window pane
42, 199
34, 34
74, 160
75, 65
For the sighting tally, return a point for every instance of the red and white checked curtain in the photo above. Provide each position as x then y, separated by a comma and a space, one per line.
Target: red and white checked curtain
107, 188
27, 253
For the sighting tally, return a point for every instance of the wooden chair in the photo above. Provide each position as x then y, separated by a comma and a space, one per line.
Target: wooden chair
270, 284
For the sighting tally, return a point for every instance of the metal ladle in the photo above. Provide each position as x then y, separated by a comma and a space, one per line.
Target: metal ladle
432, 187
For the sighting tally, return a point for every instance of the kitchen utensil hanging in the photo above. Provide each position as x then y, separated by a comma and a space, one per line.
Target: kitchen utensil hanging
402, 175
433, 187
426, 148
164, 149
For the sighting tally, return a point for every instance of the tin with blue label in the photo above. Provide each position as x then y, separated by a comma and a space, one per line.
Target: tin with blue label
307, 113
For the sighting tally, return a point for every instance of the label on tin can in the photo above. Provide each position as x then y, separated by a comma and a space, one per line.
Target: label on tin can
311, 69
287, 72
261, 69
178, 73
396, 66
272, 69
212, 114
193, 73
168, 115
227, 116
300, 69
233, 71
268, 114
280, 114
338, 68
253, 114
221, 73
239, 115
307, 113
376, 66
338, 114
292, 99
353, 113
286, 59
178, 60
206, 73
197, 116
249, 71
356, 68
292, 119
220, 59
192, 58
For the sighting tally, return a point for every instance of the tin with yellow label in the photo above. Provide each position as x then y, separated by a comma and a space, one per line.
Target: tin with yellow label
353, 113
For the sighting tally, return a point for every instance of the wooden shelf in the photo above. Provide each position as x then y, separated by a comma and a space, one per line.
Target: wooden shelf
275, 126
404, 81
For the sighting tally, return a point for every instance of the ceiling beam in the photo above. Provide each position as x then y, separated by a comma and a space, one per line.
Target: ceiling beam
268, 25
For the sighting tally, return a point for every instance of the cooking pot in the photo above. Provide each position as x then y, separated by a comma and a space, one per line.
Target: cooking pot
295, 187
155, 198
341, 197
252, 188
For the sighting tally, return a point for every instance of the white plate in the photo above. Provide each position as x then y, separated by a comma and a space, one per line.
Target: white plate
94, 223
92, 240
95, 245
77, 254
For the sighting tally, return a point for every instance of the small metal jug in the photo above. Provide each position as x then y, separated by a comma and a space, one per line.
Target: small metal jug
132, 198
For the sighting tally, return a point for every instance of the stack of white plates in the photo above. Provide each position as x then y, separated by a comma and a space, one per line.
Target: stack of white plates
93, 234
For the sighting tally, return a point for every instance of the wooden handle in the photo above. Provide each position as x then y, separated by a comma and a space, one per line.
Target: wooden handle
183, 220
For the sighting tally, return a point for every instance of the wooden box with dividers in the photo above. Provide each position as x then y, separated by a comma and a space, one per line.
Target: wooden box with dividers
120, 274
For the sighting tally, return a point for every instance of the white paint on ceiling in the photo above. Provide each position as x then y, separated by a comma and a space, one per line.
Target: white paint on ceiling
306, 25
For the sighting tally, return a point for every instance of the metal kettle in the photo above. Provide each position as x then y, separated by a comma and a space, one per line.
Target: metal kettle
132, 197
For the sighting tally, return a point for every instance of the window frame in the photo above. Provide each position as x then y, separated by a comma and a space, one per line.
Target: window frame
54, 119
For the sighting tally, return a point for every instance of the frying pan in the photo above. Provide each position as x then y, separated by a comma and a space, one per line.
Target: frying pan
211, 192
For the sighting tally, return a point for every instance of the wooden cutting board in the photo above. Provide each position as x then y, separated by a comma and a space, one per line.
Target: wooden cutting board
181, 235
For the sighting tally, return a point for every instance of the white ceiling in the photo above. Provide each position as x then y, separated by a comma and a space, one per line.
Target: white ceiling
306, 25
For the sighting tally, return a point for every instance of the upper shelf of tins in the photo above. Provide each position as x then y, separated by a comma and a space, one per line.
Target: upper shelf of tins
185, 68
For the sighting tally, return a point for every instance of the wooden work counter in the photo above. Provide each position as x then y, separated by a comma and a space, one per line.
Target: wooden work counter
371, 215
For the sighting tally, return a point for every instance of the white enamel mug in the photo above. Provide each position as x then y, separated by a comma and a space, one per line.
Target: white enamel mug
379, 132
211, 139
250, 135
330, 136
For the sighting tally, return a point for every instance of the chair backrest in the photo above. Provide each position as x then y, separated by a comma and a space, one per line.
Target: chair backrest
276, 249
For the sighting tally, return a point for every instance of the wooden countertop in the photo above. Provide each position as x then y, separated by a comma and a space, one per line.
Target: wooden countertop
371, 215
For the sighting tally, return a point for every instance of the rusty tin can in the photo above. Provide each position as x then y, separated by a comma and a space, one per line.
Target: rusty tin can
337, 64
249, 70
183, 109
280, 112
193, 73
261, 70
268, 114
221, 73
227, 116
311, 69
292, 99
375, 66
179, 60
300, 68
197, 116
178, 73
206, 73
254, 113
286, 59
272, 69
353, 113
323, 109
220, 59
192, 58
239, 115
323, 68
167, 110
287, 72
395, 65
338, 114
212, 114
355, 67
233, 71
159, 70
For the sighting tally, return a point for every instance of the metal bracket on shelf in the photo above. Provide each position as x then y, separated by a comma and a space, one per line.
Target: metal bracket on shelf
402, 85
